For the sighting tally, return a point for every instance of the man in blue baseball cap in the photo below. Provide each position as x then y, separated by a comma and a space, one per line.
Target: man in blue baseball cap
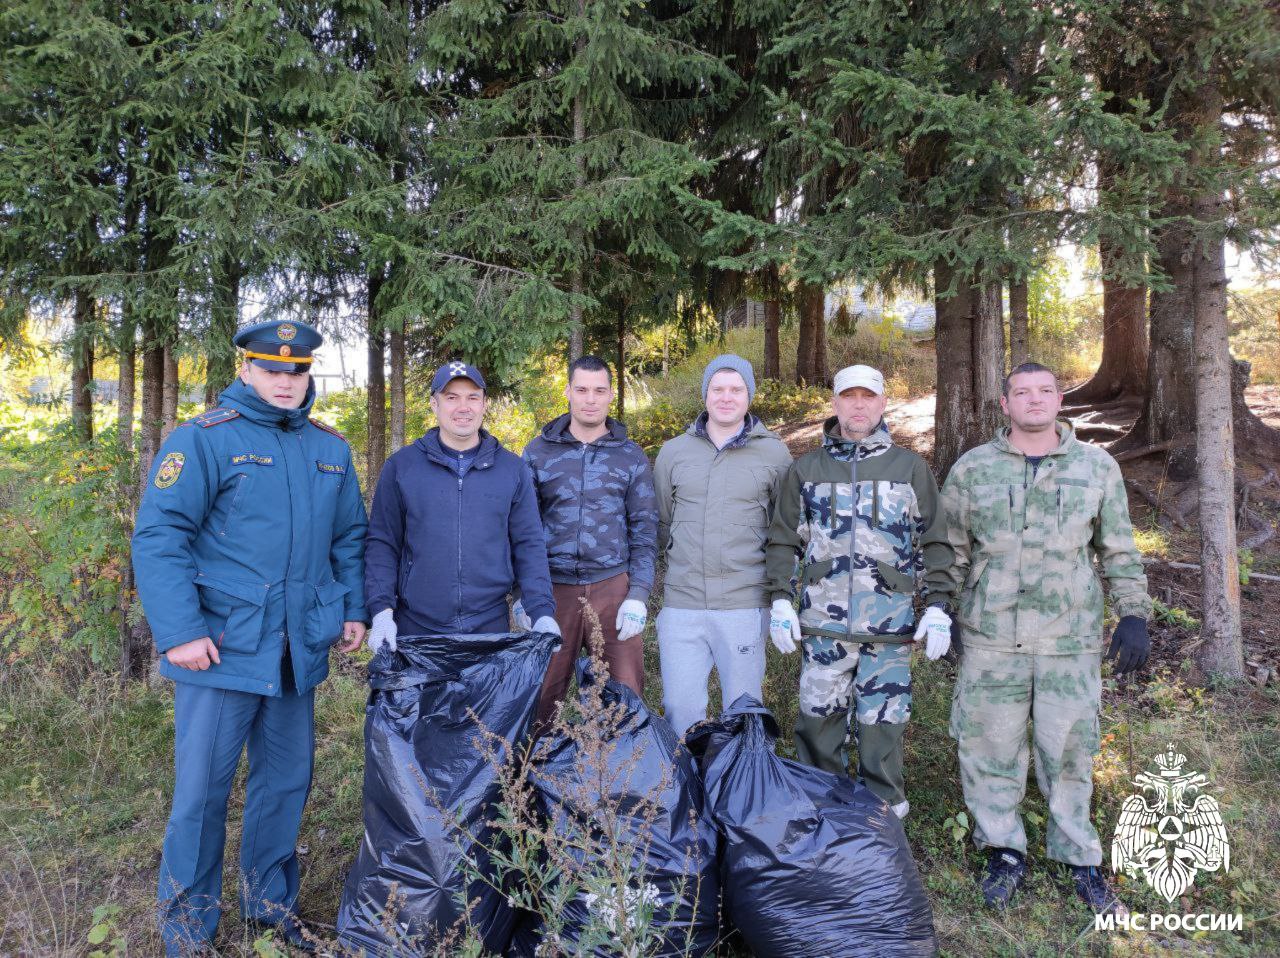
455, 527
248, 553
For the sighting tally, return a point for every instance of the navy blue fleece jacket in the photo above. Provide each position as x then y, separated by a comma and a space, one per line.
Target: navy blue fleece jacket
447, 545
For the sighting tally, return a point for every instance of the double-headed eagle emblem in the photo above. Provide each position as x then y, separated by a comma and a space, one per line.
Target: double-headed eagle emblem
1171, 831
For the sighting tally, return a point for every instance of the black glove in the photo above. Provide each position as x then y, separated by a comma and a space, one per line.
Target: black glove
1130, 644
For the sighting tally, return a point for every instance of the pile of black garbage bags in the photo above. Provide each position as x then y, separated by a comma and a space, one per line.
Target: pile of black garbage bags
733, 848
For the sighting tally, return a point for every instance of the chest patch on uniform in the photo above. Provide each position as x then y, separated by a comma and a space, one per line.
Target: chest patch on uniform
169, 470
331, 467
253, 457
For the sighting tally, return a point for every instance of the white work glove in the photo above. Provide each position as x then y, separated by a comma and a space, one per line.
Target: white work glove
546, 624
784, 627
523, 623
935, 629
382, 632
632, 615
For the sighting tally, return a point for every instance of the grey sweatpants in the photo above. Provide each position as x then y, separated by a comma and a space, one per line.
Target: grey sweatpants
691, 641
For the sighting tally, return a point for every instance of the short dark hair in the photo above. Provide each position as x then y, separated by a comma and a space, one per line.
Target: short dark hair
592, 364
1026, 368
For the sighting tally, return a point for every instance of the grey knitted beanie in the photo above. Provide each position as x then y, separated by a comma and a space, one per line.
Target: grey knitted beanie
738, 365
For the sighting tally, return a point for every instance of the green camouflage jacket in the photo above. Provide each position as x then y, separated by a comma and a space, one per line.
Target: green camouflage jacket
859, 577
1025, 541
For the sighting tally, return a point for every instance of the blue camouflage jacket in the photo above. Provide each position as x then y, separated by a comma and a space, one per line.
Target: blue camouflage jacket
251, 532
599, 510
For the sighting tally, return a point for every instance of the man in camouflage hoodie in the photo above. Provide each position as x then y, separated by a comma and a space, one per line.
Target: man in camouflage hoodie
1027, 514
862, 516
596, 497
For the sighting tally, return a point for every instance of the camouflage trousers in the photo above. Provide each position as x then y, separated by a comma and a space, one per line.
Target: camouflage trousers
996, 695
873, 679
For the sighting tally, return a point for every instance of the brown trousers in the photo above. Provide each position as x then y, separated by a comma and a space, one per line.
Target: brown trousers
625, 659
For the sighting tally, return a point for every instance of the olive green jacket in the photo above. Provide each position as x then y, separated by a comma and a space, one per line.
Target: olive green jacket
714, 509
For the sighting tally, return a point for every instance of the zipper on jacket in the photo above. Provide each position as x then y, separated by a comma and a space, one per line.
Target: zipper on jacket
577, 541
457, 617
1011, 526
875, 504
853, 538
235, 503
1059, 508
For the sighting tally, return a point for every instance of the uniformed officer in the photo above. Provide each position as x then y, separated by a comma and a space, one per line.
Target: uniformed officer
249, 558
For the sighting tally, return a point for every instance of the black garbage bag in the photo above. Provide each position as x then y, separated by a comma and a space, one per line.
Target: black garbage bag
812, 863
643, 788
429, 789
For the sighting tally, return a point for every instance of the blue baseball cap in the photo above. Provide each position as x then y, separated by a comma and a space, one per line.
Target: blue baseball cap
455, 370
279, 345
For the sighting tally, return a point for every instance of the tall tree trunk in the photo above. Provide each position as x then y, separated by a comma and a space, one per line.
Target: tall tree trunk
376, 453
579, 183
128, 351
1168, 411
1222, 651
223, 318
169, 394
82, 366
1123, 369
622, 363
970, 359
397, 386
811, 347
772, 324
152, 402
1019, 323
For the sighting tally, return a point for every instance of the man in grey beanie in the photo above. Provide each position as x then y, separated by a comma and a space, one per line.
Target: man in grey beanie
717, 484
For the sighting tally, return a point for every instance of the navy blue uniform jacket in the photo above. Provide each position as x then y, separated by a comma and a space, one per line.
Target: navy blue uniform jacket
251, 532
445, 548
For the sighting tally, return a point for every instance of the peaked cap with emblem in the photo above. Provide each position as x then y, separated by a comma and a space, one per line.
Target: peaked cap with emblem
279, 345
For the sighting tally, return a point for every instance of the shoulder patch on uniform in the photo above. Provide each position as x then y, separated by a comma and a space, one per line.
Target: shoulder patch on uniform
327, 428
215, 417
170, 469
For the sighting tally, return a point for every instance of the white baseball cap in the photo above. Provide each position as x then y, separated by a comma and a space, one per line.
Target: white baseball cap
864, 376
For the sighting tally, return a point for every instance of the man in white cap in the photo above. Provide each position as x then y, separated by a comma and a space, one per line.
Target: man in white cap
716, 485
862, 517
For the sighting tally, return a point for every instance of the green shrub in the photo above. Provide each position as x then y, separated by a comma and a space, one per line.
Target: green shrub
64, 541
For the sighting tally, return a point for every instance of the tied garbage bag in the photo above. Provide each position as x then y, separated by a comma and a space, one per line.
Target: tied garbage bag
626, 802
430, 788
813, 864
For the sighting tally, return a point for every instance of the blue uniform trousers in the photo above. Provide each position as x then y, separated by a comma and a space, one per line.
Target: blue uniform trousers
211, 728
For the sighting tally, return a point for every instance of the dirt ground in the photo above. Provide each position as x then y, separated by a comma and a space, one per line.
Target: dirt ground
1173, 637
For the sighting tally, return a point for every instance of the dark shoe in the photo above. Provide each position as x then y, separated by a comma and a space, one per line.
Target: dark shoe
289, 930
1095, 891
1006, 871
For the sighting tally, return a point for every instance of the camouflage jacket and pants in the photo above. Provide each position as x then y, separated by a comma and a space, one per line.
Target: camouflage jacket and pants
1030, 613
863, 520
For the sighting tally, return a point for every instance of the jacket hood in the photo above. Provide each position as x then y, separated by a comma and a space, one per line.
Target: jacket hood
245, 400
1066, 436
752, 428
558, 431
434, 449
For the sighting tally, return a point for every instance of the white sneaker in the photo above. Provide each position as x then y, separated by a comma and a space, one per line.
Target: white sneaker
901, 809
